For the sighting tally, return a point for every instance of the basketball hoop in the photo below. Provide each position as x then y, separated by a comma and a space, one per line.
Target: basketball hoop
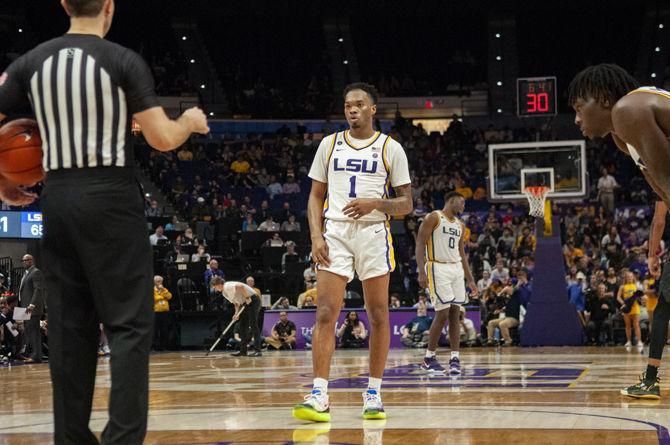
536, 197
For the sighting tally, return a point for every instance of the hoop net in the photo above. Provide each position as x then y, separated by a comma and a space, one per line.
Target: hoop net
536, 197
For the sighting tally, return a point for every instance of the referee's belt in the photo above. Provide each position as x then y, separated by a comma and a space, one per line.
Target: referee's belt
444, 262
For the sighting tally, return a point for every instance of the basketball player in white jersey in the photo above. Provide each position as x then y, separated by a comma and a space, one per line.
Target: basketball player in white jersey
349, 207
608, 100
443, 268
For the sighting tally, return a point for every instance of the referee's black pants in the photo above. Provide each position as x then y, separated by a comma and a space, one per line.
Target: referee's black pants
98, 267
249, 325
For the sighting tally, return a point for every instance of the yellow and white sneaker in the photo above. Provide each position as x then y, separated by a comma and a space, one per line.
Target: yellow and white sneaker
372, 405
315, 408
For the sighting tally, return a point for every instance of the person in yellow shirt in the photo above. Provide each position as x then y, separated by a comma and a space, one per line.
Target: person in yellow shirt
310, 292
240, 165
628, 299
161, 314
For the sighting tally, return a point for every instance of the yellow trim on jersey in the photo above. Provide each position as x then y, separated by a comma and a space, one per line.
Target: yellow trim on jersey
389, 238
658, 93
326, 203
386, 164
346, 139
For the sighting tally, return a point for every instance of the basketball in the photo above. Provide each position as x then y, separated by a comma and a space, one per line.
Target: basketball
21, 152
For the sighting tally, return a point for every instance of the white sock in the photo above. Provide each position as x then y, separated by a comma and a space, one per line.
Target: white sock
375, 384
430, 354
456, 354
321, 384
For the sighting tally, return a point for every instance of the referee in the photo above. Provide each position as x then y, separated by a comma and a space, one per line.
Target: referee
85, 91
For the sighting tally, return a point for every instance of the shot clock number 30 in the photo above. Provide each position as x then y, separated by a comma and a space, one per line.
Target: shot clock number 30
536, 96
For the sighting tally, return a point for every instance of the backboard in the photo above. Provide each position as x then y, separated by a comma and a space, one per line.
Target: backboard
559, 165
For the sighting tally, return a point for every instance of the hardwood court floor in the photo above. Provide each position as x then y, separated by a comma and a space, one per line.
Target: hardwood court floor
520, 396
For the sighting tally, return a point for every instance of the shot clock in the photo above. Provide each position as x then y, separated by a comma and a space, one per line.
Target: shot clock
536, 96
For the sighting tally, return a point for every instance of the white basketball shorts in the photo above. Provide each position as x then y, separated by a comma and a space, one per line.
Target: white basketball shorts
361, 247
446, 282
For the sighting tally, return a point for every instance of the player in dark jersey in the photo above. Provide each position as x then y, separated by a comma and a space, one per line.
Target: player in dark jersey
607, 100
97, 260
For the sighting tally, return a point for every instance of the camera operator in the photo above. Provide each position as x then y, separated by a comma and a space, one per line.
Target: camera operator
283, 333
514, 297
352, 333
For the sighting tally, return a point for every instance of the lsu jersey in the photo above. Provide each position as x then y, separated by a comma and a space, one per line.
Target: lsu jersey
632, 150
358, 169
443, 244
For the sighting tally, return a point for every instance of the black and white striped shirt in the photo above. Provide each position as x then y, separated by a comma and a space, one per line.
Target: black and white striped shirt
84, 91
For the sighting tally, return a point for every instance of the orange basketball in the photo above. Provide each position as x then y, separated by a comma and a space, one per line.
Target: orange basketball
21, 152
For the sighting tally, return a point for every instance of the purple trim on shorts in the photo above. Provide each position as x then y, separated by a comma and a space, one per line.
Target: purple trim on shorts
388, 251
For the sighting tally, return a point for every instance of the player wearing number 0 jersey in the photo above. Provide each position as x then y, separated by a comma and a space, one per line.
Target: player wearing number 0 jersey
443, 267
349, 207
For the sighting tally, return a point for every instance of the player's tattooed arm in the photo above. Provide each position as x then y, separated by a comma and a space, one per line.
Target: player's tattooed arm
400, 205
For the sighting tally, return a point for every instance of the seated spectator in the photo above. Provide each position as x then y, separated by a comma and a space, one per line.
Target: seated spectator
185, 155
639, 266
352, 333
161, 313
153, 210
310, 274
249, 224
468, 333
599, 309
188, 239
8, 332
275, 241
175, 225
500, 273
291, 225
420, 209
310, 292
240, 165
423, 300
484, 282
158, 235
269, 225
525, 243
308, 302
251, 282
415, 332
283, 333
274, 188
511, 310
213, 271
283, 304
288, 256
394, 302
290, 186
285, 212
200, 255
506, 242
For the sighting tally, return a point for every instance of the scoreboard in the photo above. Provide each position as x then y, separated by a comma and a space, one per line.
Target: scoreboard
20, 225
536, 96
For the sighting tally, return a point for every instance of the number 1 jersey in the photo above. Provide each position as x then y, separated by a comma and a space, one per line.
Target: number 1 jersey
358, 170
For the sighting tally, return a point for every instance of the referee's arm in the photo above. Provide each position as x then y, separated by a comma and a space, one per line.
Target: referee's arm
165, 134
